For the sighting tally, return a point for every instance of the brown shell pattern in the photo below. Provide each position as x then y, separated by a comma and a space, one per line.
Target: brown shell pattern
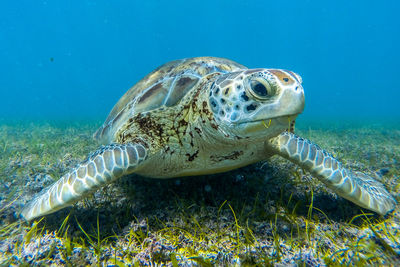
165, 86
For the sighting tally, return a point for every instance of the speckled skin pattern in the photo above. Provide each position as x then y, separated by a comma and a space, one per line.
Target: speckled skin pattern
199, 116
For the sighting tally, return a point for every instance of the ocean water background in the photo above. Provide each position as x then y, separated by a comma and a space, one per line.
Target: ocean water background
75, 59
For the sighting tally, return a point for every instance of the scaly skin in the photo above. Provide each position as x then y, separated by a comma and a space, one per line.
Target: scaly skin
102, 167
199, 116
356, 187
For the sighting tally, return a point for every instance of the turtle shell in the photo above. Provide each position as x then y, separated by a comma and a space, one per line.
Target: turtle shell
165, 86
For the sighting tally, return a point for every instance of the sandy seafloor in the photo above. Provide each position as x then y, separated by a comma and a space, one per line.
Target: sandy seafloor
270, 213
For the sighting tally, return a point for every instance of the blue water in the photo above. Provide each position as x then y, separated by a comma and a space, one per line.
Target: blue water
75, 59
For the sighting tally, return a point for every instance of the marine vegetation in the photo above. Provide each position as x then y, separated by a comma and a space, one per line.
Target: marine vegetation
267, 213
221, 124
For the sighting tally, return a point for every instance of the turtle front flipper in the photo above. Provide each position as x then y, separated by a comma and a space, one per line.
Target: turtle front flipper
100, 168
354, 186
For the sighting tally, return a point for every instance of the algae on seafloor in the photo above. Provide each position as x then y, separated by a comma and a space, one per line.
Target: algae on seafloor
268, 213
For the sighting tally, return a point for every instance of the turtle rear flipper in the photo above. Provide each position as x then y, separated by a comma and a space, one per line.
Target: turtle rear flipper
100, 168
354, 186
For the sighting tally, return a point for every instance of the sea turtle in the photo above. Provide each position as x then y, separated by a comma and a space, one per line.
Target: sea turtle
200, 116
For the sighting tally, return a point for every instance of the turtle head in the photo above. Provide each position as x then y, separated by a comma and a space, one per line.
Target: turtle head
257, 102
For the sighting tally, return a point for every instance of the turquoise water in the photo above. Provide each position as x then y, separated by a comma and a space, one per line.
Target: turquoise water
62, 59
64, 64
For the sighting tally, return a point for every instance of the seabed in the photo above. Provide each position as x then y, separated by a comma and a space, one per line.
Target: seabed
268, 214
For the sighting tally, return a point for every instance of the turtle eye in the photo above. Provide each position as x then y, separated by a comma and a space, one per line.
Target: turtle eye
261, 89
